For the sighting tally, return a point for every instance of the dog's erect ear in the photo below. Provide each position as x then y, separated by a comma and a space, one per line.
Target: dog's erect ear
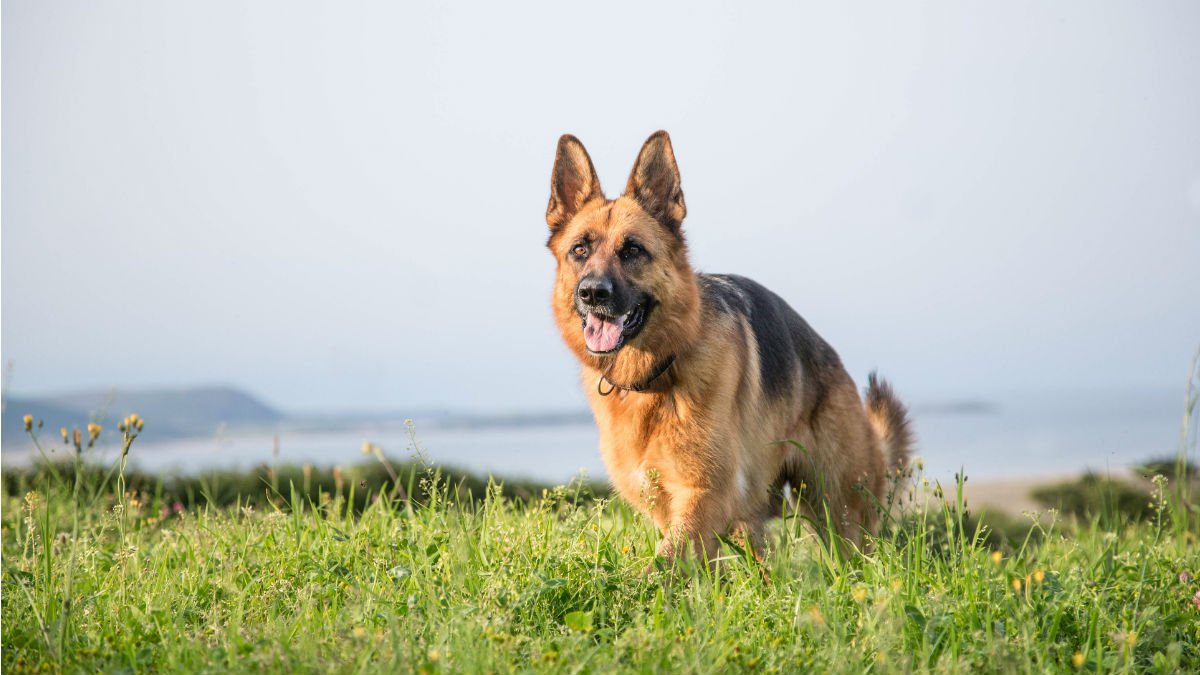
573, 182
654, 182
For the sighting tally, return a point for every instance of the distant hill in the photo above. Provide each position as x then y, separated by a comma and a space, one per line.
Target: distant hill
169, 413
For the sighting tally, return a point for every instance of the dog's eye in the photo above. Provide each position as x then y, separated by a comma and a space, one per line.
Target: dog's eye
580, 250
631, 251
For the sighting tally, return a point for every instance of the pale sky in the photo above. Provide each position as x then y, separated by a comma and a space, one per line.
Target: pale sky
341, 204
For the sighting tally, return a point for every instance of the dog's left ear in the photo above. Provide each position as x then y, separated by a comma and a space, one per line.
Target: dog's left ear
654, 182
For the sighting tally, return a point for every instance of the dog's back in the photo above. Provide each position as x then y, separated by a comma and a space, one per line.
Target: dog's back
844, 446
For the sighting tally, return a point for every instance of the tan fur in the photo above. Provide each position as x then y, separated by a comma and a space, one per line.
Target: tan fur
704, 450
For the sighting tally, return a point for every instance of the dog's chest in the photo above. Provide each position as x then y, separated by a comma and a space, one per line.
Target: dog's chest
647, 448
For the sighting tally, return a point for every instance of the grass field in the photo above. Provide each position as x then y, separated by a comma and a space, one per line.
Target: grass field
100, 576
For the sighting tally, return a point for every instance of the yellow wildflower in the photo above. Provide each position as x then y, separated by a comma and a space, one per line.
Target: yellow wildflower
29, 423
1077, 659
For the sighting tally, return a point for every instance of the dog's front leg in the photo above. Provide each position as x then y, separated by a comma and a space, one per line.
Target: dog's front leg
697, 516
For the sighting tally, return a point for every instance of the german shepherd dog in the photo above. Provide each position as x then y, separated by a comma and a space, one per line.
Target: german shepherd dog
711, 394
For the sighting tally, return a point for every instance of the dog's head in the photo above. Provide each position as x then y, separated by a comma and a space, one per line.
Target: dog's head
623, 275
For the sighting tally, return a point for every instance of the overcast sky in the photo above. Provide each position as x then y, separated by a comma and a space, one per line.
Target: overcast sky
341, 204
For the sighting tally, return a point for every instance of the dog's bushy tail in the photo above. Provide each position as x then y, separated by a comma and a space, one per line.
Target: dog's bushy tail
889, 418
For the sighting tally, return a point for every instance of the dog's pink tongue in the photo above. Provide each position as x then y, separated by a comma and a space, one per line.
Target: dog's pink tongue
602, 334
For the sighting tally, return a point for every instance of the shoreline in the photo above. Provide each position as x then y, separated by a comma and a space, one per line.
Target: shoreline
1010, 495
1013, 496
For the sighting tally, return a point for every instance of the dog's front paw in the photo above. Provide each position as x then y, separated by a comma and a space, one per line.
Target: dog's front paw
661, 564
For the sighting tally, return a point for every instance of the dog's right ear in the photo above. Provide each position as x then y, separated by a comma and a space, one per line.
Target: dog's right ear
573, 182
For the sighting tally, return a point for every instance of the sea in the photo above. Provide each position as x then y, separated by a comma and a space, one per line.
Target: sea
1019, 435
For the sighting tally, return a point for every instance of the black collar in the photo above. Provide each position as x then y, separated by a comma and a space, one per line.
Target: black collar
659, 370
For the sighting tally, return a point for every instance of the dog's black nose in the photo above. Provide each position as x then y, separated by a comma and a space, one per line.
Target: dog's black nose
595, 290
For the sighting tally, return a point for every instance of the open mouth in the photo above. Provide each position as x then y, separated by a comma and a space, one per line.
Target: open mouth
606, 334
